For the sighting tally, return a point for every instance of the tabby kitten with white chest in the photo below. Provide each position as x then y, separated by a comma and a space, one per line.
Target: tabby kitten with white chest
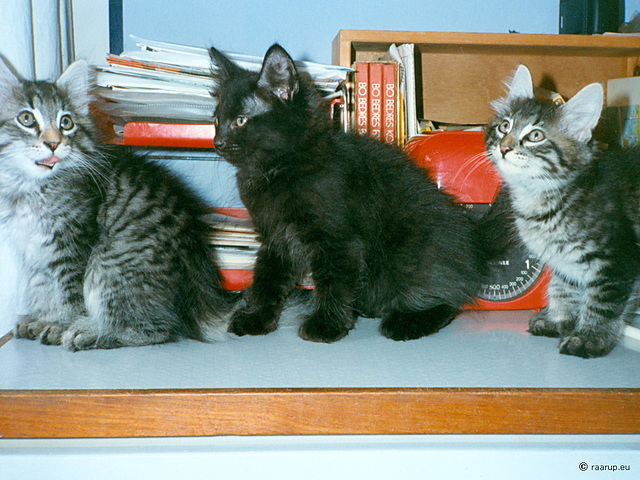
113, 245
575, 207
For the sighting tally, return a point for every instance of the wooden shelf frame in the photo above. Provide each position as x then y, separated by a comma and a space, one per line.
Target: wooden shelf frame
180, 413
459, 74
348, 44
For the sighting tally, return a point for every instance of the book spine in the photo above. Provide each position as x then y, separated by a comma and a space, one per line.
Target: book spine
375, 100
390, 99
362, 97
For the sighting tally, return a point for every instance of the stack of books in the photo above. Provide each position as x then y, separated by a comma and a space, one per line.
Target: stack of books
381, 99
377, 100
620, 122
236, 244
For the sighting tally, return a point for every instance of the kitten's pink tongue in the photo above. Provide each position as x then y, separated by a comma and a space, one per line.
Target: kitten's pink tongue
49, 162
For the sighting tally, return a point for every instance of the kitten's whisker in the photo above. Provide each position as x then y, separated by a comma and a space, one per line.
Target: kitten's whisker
470, 161
476, 165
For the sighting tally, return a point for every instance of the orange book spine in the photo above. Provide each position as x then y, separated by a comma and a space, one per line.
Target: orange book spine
375, 100
362, 97
389, 104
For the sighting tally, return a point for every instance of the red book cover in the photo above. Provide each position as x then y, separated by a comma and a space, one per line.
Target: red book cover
389, 104
362, 97
185, 135
375, 100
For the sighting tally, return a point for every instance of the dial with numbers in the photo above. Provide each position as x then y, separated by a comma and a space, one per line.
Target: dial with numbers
511, 276
515, 281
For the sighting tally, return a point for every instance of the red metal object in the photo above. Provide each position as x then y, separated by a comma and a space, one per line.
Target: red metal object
458, 163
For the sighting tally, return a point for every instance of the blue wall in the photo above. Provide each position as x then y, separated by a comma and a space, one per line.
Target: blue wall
306, 28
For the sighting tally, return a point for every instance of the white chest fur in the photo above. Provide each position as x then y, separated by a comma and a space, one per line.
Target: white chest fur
25, 226
556, 238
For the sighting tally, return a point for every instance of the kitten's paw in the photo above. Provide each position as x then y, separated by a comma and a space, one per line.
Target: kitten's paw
540, 325
79, 336
587, 345
52, 334
410, 326
28, 328
49, 333
399, 329
319, 328
251, 322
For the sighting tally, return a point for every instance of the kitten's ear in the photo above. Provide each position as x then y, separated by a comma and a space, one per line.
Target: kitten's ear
521, 86
8, 80
222, 69
76, 81
580, 115
279, 74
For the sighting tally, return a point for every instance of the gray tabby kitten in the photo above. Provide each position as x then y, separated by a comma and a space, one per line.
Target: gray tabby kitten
575, 207
113, 246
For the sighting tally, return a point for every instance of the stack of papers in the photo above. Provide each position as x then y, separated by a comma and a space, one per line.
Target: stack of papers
235, 241
168, 82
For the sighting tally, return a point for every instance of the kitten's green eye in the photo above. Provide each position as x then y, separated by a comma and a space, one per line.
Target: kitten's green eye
66, 123
27, 119
504, 127
240, 121
536, 136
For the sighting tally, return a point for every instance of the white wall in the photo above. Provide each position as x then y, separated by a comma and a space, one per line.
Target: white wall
631, 6
451, 457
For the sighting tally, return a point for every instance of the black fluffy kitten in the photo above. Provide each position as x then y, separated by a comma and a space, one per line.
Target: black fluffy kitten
378, 237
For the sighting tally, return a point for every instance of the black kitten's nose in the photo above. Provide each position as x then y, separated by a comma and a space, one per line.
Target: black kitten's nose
219, 143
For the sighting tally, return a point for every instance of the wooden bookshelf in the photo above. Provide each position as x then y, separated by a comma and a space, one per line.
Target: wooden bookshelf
459, 74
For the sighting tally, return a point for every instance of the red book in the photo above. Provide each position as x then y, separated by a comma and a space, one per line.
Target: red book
375, 100
389, 104
148, 134
362, 97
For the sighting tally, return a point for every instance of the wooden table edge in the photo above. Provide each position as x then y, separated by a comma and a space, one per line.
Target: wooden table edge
309, 411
